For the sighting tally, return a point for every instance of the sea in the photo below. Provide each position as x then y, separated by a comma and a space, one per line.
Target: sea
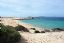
46, 22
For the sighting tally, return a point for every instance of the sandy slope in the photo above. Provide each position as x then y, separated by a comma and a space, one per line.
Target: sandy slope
53, 37
7, 21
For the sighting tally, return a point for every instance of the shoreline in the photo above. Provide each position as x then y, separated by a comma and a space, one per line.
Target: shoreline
27, 24
30, 27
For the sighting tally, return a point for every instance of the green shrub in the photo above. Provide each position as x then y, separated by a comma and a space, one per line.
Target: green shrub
8, 34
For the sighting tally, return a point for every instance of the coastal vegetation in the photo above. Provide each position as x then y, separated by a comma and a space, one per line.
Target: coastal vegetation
8, 34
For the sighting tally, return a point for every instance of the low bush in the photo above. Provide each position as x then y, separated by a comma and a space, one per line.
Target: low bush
8, 34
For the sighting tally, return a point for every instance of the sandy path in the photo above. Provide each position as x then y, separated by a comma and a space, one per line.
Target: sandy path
54, 37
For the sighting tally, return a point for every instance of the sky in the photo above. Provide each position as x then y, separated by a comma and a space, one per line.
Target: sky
24, 8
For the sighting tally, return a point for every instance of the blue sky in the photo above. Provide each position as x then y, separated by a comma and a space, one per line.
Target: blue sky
24, 8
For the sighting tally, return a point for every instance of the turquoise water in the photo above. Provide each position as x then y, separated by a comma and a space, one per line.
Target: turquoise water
47, 22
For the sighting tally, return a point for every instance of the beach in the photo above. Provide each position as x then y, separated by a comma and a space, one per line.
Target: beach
48, 37
54, 37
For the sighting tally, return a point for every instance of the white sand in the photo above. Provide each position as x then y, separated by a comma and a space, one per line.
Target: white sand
10, 22
52, 37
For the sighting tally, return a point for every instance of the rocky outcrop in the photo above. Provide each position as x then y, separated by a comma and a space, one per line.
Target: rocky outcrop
21, 28
57, 29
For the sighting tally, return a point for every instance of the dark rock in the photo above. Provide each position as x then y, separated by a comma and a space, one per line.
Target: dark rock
42, 31
36, 31
0, 16
57, 29
33, 28
21, 28
47, 30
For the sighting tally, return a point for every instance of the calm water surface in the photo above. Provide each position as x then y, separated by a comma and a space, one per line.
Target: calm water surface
47, 22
